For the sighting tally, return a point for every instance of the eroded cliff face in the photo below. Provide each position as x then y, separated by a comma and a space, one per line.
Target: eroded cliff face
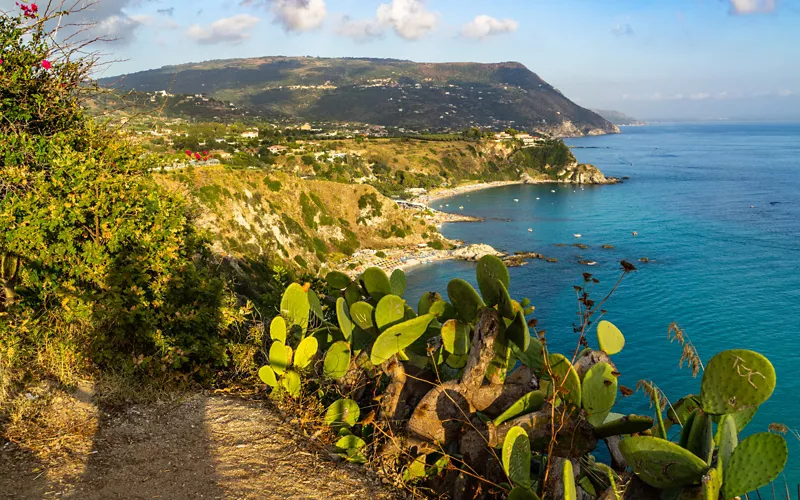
584, 174
569, 129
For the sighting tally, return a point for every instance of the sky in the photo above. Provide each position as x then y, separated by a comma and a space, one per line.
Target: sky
653, 59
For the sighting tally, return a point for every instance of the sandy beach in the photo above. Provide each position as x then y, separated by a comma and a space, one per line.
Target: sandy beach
442, 193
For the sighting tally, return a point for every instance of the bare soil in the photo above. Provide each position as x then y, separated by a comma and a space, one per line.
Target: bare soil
203, 446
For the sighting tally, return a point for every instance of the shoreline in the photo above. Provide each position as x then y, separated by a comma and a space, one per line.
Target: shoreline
443, 193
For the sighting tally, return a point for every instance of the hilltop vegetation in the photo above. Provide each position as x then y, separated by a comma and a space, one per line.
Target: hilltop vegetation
419, 96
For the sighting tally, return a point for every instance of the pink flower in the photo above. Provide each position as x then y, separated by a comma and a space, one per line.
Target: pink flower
46, 64
34, 7
188, 153
197, 155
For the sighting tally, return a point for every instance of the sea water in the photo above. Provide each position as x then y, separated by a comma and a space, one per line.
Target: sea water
717, 211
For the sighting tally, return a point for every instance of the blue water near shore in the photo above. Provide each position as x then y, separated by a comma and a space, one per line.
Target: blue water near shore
727, 273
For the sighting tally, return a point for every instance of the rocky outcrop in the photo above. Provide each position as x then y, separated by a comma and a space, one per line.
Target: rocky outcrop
567, 128
584, 174
475, 252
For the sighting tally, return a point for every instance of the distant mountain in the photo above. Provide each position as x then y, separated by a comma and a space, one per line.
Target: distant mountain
618, 118
420, 96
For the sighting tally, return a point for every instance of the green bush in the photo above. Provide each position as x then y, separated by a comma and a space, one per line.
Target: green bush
112, 272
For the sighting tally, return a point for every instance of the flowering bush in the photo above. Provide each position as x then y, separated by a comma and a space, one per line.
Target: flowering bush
112, 271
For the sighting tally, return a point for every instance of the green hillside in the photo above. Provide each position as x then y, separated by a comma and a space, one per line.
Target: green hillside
420, 96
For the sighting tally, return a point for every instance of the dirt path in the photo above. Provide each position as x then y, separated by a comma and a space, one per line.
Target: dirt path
204, 447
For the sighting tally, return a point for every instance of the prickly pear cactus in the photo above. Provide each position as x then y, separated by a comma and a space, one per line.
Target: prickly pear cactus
728, 441
337, 360
426, 301
701, 440
517, 457
337, 280
568, 477
609, 338
565, 378
397, 282
343, 412
295, 306
465, 300
362, 315
398, 337
390, 311
306, 351
376, 283
493, 279
630, 424
599, 391
711, 485
528, 403
756, 462
278, 357
517, 332
647, 456
736, 380
343, 317
267, 375
277, 329
290, 382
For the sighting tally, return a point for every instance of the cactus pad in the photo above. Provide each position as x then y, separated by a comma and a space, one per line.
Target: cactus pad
505, 306
291, 383
362, 315
712, 483
305, 353
568, 478
277, 329
295, 307
376, 283
314, 305
337, 360
278, 357
343, 317
630, 424
660, 463
599, 391
736, 380
390, 311
397, 282
350, 442
465, 300
493, 279
517, 332
267, 375
443, 311
398, 337
517, 456
352, 294
565, 377
526, 404
701, 439
533, 356
756, 462
609, 338
455, 337
728, 441
426, 301
342, 413
337, 280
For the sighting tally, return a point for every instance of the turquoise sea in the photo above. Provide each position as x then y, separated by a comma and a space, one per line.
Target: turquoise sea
717, 211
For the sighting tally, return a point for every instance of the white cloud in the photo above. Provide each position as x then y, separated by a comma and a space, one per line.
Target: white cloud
233, 29
104, 18
299, 15
752, 6
409, 18
622, 30
484, 26
359, 29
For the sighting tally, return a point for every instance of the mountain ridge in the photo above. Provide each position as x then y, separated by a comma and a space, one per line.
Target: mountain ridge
388, 92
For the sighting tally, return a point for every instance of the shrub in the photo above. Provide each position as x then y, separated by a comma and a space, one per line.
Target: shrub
112, 272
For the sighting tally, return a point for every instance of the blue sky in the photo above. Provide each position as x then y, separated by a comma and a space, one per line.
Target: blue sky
650, 58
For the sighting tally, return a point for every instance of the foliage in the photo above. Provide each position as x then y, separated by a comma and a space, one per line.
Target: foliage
111, 271
470, 349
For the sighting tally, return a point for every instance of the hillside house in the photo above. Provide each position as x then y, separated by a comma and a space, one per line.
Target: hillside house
277, 149
250, 134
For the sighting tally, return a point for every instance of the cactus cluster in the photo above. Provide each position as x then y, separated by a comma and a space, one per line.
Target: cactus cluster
708, 463
539, 410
